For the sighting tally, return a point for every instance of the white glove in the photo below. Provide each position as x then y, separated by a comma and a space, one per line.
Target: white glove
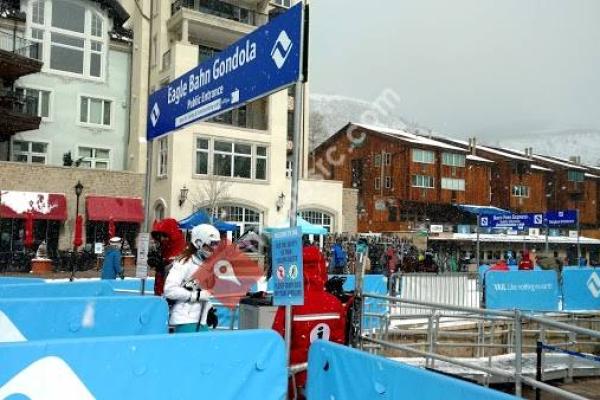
194, 296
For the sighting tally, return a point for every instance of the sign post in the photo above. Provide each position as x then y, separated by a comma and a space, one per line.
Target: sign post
141, 268
286, 258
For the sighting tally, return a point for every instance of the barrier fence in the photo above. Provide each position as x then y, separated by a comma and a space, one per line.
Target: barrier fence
490, 325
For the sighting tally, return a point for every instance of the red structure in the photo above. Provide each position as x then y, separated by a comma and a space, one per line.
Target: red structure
78, 236
321, 317
28, 242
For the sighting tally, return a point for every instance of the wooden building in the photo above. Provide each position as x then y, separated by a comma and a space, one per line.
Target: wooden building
402, 179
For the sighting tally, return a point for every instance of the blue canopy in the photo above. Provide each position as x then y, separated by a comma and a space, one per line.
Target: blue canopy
482, 210
201, 217
307, 227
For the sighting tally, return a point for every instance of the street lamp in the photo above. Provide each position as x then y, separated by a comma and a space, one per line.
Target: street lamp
76, 242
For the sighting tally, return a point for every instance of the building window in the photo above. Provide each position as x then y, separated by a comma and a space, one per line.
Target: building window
42, 100
206, 53
377, 183
95, 111
453, 184
453, 159
76, 36
163, 156
94, 158
576, 176
520, 191
202, 153
316, 217
29, 152
231, 159
423, 156
422, 181
377, 160
388, 182
159, 212
282, 3
388, 159
247, 219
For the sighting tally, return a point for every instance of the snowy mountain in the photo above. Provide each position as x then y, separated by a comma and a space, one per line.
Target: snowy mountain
329, 113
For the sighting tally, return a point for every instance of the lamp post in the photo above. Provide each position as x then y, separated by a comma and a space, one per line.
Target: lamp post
78, 190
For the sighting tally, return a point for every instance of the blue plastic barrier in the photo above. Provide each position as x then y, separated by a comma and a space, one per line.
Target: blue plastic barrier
76, 317
482, 270
525, 290
581, 289
219, 365
339, 372
131, 286
62, 289
376, 284
12, 280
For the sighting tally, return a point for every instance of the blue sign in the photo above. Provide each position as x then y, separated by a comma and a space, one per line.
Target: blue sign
512, 221
559, 218
581, 289
61, 289
257, 65
525, 290
286, 261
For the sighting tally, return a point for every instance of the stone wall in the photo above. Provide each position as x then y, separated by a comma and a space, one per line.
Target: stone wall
52, 179
349, 210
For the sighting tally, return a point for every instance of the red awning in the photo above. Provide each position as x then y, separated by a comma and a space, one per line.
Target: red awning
51, 206
120, 209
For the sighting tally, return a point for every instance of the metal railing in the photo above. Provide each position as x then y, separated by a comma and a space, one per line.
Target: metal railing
221, 9
16, 44
514, 328
18, 102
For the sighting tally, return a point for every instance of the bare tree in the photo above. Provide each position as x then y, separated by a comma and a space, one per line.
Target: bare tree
210, 194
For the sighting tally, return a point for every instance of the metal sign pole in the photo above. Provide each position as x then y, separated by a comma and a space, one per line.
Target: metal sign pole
547, 232
297, 143
578, 240
477, 245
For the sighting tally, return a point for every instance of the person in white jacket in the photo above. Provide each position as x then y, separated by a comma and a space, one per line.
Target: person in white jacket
181, 287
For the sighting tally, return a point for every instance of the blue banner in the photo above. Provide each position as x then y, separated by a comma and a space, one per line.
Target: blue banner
62, 289
581, 289
257, 65
560, 218
332, 374
10, 280
216, 365
524, 290
78, 317
512, 221
286, 261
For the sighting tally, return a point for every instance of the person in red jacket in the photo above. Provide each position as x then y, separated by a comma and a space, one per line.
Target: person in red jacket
170, 242
322, 317
525, 264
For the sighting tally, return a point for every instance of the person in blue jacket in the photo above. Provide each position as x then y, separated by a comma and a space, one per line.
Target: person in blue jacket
111, 267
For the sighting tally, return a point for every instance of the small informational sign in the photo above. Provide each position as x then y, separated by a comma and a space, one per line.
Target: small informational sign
512, 221
143, 244
98, 248
286, 252
573, 234
436, 229
560, 218
534, 231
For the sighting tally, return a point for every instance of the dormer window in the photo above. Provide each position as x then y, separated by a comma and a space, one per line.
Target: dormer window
72, 36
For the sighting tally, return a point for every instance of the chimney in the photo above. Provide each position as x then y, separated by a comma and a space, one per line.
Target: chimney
575, 159
473, 145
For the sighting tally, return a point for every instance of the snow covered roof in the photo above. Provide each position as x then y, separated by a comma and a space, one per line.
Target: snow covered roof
502, 153
540, 168
587, 175
477, 158
554, 161
503, 238
409, 137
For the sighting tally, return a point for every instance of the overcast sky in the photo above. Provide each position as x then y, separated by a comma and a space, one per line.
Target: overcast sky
464, 67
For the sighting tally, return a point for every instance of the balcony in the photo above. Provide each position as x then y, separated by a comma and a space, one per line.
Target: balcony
18, 57
213, 22
20, 113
